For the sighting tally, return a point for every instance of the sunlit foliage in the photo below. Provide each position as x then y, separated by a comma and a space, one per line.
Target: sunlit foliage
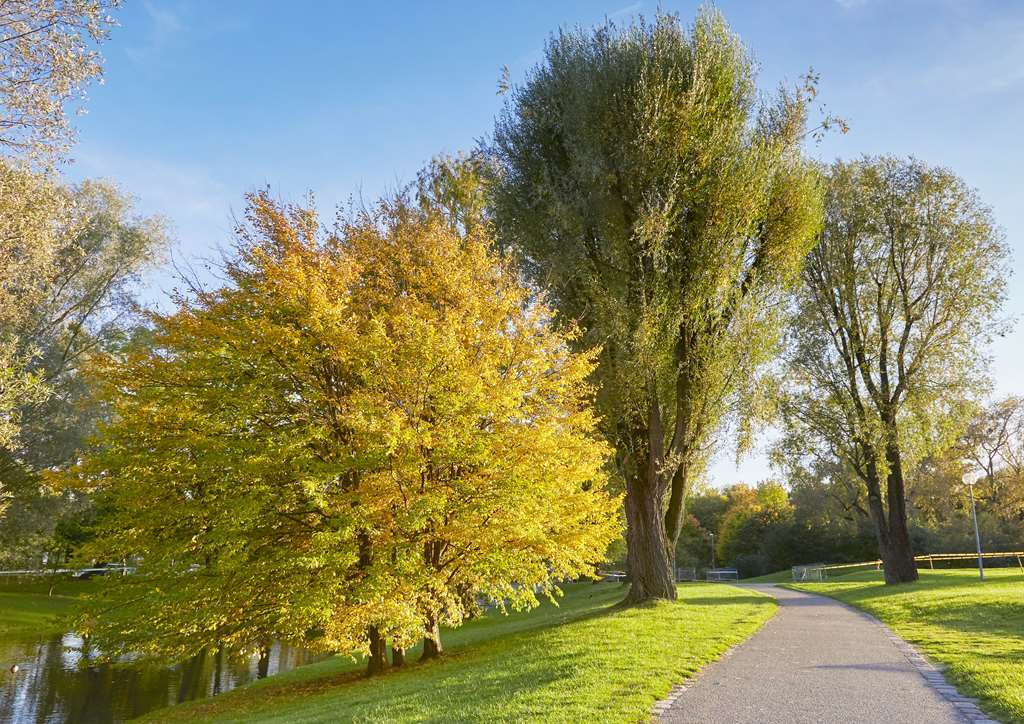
366, 433
899, 301
644, 181
48, 55
70, 257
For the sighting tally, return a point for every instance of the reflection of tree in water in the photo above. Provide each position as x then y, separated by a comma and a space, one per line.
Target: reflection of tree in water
191, 677
263, 666
54, 683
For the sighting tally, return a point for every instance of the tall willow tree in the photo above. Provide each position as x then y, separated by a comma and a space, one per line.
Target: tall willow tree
898, 301
666, 209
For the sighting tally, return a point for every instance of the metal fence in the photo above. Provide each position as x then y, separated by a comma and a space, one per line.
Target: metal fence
821, 572
683, 574
686, 574
802, 574
722, 574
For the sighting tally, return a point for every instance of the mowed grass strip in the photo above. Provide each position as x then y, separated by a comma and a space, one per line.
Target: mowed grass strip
778, 577
38, 606
585, 660
975, 629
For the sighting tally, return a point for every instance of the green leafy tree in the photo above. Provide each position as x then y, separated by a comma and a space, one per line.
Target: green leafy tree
35, 216
71, 259
666, 209
898, 301
994, 443
752, 513
48, 56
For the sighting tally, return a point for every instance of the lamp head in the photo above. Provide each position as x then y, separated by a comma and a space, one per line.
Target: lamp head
971, 477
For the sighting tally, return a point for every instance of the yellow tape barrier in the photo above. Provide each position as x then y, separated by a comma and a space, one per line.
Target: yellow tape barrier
932, 557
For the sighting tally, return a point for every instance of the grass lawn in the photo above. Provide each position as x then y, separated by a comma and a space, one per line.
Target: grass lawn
584, 660
778, 577
976, 629
28, 608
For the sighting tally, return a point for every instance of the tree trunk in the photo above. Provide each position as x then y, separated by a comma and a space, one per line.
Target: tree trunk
891, 525
432, 647
901, 566
378, 659
649, 554
397, 657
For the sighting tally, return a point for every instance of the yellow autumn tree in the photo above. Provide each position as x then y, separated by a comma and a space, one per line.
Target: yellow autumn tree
367, 433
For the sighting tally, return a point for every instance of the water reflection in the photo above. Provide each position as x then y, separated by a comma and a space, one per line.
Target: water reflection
55, 683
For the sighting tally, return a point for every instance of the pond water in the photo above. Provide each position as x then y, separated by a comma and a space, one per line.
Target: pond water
56, 684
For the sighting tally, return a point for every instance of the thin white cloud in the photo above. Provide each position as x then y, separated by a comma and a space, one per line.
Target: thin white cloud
164, 26
976, 59
164, 20
984, 58
628, 10
196, 203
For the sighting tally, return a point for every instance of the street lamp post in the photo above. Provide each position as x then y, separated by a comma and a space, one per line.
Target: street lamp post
970, 478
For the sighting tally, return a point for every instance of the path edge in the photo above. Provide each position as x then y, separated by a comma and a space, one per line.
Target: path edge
663, 705
968, 707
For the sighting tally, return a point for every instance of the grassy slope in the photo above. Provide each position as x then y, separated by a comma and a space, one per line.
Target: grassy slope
27, 608
976, 629
582, 661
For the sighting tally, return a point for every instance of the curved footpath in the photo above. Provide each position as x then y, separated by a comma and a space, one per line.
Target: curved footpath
818, 661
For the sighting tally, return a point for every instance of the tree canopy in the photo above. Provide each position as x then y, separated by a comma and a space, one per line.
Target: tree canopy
367, 432
667, 208
70, 260
899, 299
48, 56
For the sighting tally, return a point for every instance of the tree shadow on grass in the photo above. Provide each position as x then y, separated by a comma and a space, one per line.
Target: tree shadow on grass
1005, 620
292, 686
744, 600
417, 691
489, 688
990, 616
524, 671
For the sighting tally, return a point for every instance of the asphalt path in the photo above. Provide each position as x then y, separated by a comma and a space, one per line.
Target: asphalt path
816, 661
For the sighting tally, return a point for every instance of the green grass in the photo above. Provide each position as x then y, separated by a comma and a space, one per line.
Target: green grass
586, 660
975, 629
778, 577
28, 608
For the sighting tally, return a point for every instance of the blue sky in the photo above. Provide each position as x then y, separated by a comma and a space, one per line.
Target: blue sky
204, 100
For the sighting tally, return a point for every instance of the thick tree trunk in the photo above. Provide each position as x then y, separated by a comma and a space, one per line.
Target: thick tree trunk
397, 657
901, 566
432, 647
378, 659
649, 554
891, 525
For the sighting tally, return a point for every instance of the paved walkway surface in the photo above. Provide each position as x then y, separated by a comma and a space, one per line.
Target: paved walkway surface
816, 661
